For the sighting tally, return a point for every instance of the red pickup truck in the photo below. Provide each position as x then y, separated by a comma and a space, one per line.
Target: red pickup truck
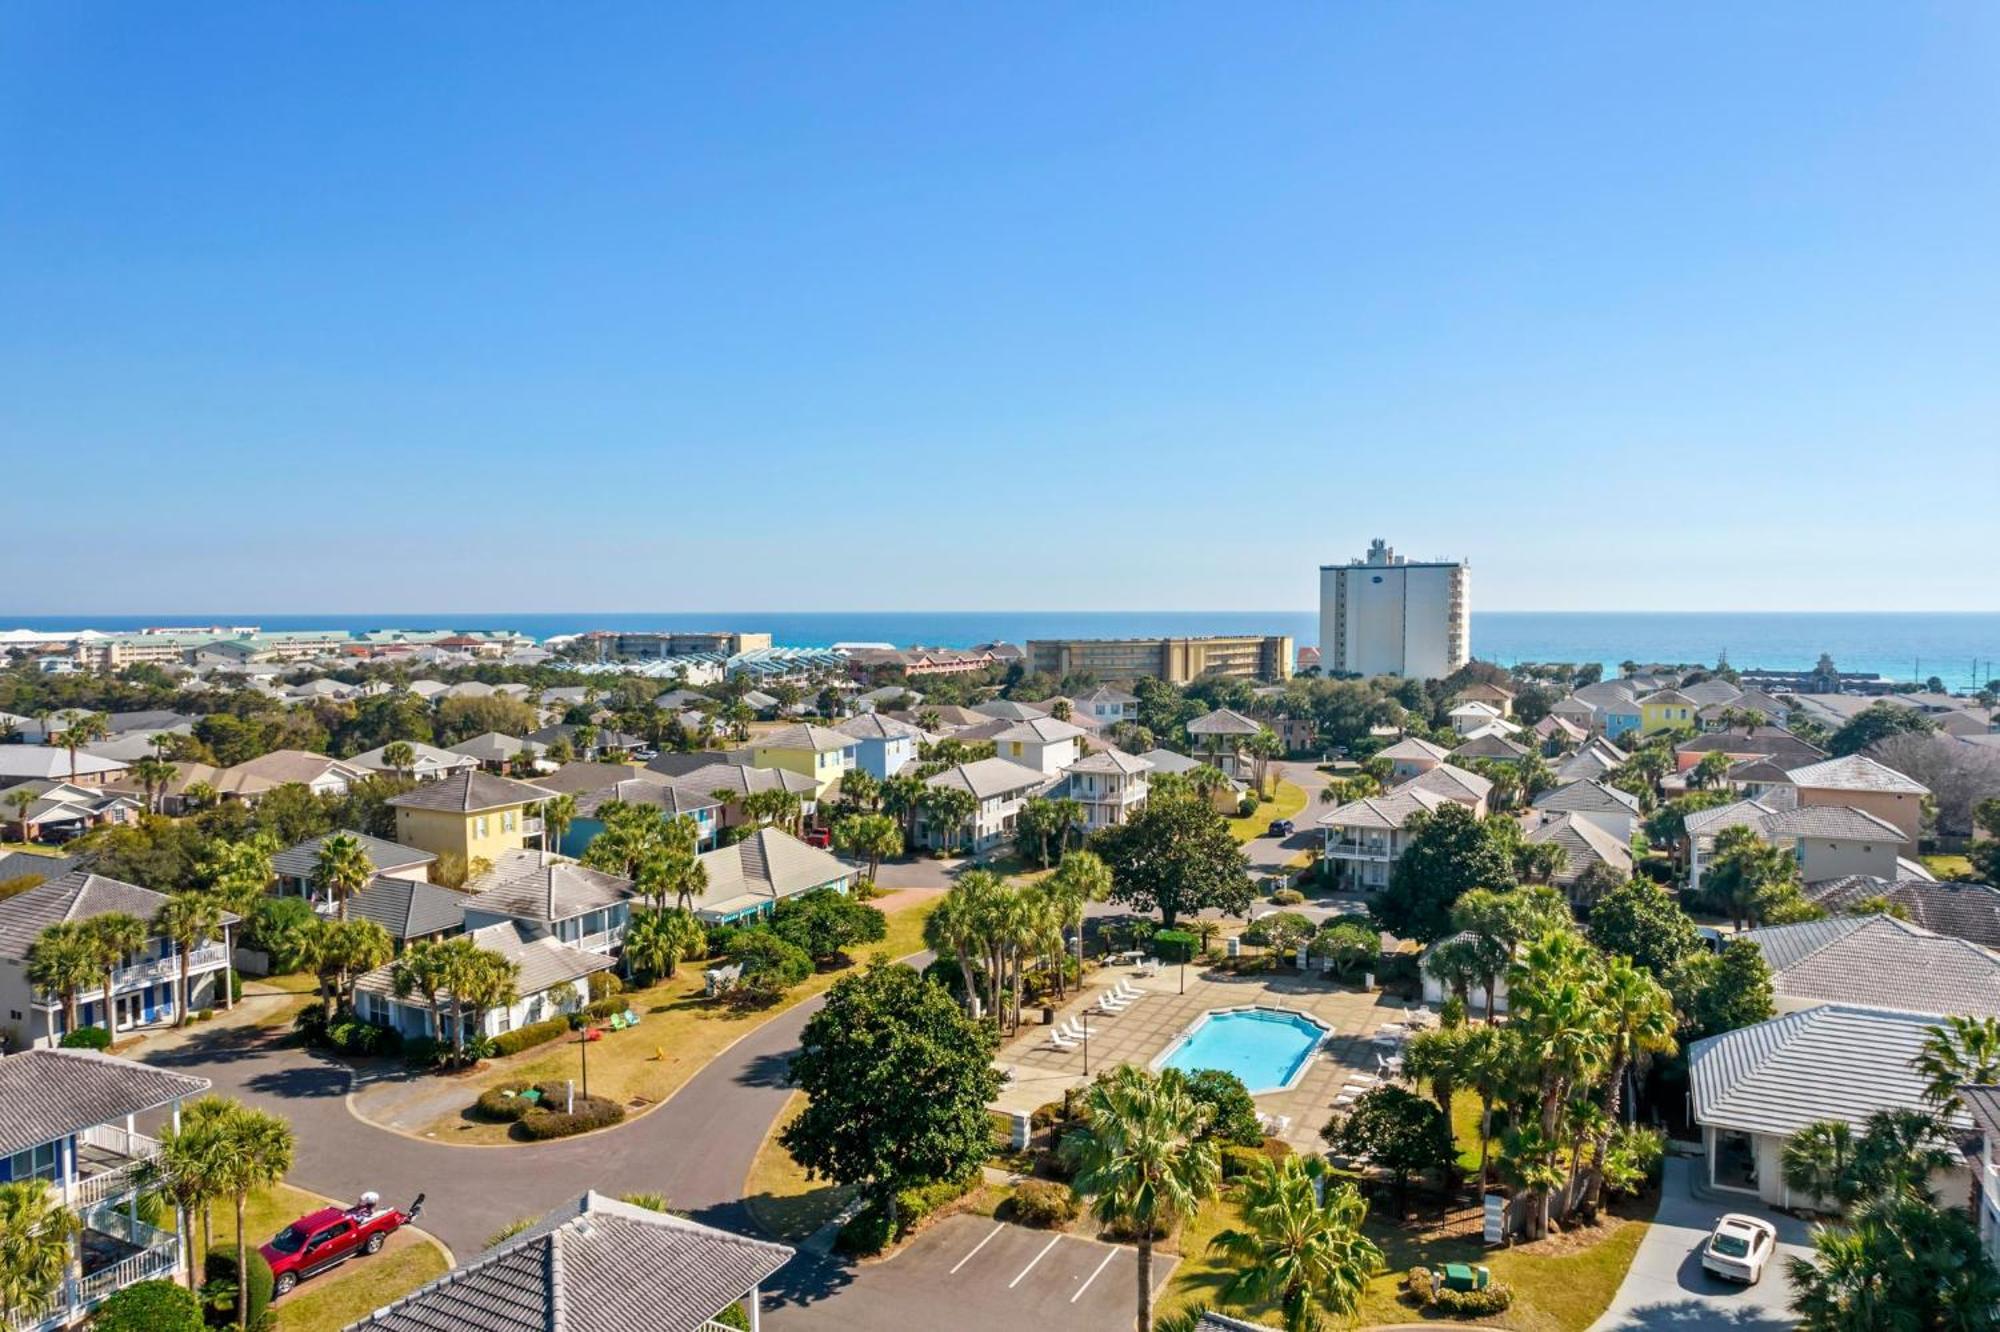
329, 1237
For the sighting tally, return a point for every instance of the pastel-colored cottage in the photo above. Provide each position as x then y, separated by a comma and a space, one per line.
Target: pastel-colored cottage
882, 744
811, 751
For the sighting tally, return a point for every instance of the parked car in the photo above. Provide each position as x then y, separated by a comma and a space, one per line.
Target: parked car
327, 1238
819, 837
1279, 828
1739, 1248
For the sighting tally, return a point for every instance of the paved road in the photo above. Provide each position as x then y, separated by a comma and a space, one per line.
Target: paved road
972, 1274
696, 1148
1666, 1286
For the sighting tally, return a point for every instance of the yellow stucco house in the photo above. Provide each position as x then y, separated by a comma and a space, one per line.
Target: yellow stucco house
811, 751
473, 814
1665, 710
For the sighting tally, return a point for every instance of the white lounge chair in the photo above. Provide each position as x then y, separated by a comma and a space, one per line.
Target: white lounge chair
1126, 991
1073, 1030
1108, 1006
1058, 1041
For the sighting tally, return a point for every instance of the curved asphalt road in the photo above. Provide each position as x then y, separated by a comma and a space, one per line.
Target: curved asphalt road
696, 1147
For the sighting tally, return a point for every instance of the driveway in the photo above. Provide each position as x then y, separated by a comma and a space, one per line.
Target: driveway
1666, 1286
696, 1147
970, 1273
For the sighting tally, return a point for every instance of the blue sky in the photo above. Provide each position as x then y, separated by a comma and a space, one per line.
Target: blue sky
506, 307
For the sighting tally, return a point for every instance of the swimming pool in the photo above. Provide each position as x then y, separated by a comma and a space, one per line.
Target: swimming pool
1266, 1047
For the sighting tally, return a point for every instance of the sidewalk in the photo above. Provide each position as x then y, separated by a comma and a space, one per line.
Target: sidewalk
258, 1006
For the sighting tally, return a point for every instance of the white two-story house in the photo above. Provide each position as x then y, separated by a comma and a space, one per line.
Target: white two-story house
145, 986
1363, 839
552, 897
999, 786
1111, 785
71, 1121
1043, 743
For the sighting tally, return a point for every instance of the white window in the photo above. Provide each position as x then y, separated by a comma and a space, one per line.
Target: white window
479, 826
507, 821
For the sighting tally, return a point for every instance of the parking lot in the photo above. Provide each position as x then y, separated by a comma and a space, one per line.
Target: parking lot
980, 1275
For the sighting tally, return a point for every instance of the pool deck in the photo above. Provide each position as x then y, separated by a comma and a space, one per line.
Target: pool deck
1038, 1074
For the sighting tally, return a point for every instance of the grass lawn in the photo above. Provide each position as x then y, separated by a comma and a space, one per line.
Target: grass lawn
297, 982
782, 1201
1286, 804
32, 848
1949, 867
331, 1301
1560, 1285
679, 1032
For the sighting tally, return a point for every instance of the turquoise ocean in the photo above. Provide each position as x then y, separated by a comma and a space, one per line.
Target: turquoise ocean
1960, 649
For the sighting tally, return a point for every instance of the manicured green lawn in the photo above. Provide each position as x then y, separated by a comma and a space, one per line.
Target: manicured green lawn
784, 1203
1285, 804
678, 1033
331, 1301
1949, 867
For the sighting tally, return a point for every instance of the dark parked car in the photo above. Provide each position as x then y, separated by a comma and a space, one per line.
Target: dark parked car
1279, 828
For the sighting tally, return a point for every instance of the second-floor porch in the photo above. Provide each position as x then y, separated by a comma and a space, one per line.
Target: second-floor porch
145, 972
114, 1250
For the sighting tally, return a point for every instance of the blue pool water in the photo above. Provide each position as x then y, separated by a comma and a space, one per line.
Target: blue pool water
1266, 1049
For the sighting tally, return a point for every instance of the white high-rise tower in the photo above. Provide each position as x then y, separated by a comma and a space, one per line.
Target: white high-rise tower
1385, 615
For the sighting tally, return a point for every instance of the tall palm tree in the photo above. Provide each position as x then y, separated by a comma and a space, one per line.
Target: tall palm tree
61, 961
80, 729
484, 981
659, 941
113, 937
1081, 878
259, 1148
37, 1241
872, 836
558, 813
1489, 1070
189, 1169
1961, 1052
1141, 1161
1552, 999
1638, 1017
952, 928
1301, 1243
1436, 1059
342, 868
188, 919
154, 774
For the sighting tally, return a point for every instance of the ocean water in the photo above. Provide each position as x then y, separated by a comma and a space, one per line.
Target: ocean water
1958, 648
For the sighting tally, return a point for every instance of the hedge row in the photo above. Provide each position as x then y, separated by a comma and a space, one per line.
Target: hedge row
526, 1038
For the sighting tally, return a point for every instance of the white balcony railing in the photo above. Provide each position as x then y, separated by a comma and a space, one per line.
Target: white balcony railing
115, 1182
531, 827
601, 942
158, 1257
1354, 850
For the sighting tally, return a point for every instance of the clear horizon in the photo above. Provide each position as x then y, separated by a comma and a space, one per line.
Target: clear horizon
1050, 307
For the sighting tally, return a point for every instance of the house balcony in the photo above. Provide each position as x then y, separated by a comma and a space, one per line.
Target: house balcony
139, 975
601, 942
1358, 848
531, 827
110, 1163
116, 1252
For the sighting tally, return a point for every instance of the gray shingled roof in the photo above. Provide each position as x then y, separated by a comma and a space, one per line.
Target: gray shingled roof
1879, 962
648, 788
1856, 772
408, 909
533, 885
1768, 740
990, 777
1833, 821
767, 865
878, 726
1110, 759
1588, 797
300, 861
52, 1093
1491, 746
805, 736
1837, 1061
77, 895
1414, 747
1586, 844
543, 962
1224, 721
1040, 731
495, 747
1961, 910
592, 1265
1007, 709
1383, 812
1446, 780
469, 792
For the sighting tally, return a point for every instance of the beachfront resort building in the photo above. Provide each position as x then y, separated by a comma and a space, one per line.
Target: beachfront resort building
1266, 657
1386, 615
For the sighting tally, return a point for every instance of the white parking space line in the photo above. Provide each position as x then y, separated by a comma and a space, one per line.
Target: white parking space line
975, 1249
1036, 1259
1093, 1276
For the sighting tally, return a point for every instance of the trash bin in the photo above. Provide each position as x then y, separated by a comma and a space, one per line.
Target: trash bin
1048, 1015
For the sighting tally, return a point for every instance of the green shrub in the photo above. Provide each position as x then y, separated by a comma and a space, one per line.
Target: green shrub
219, 1273
914, 1204
605, 1007
1240, 1161
604, 984
352, 1036
204, 1015
1046, 1116
1474, 1303
525, 1038
495, 1105
1288, 897
1045, 1204
235, 986
1176, 945
866, 1234
1418, 1283
424, 1051
732, 1315
150, 1306
1232, 1114
87, 1038
585, 1114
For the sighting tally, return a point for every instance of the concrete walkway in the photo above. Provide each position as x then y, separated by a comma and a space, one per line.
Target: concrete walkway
1666, 1286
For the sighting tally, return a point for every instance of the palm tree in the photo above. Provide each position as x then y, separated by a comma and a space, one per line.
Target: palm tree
953, 928
80, 729
61, 962
1141, 1162
258, 1148
113, 937
485, 981
37, 1242
1489, 1069
189, 1168
1081, 878
343, 867
1963, 1052
339, 951
1455, 964
154, 774
21, 800
1638, 1017
188, 919
400, 757
871, 836
659, 941
424, 969
558, 813
1553, 1005
1746, 871
1817, 1158
1263, 747
1436, 1058
1302, 1241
